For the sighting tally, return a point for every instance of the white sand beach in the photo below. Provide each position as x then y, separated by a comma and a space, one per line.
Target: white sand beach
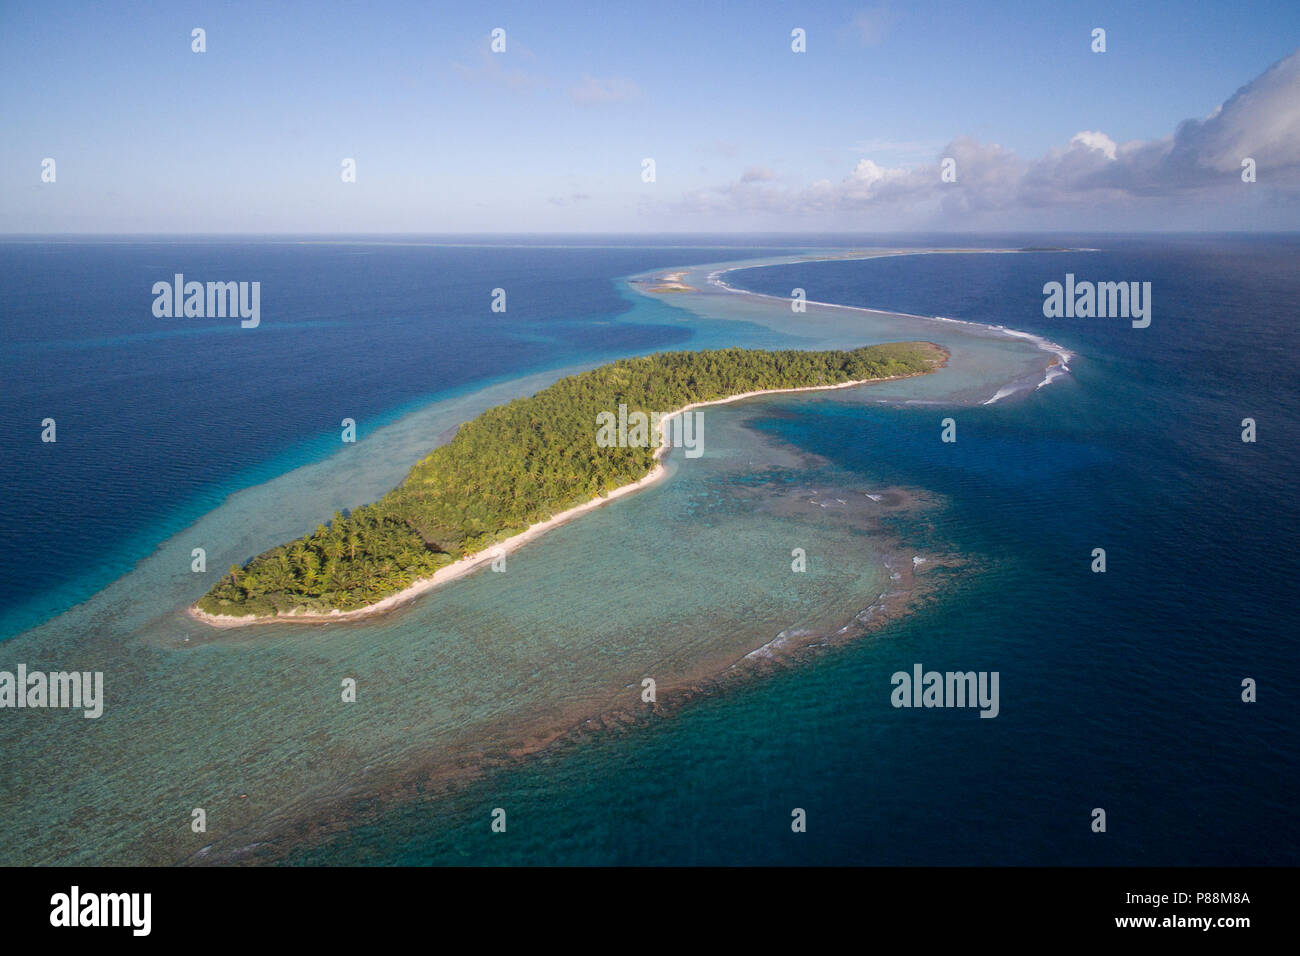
469, 563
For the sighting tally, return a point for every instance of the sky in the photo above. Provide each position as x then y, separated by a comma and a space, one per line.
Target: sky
551, 134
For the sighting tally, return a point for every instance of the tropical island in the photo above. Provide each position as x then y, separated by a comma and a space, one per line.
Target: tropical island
515, 471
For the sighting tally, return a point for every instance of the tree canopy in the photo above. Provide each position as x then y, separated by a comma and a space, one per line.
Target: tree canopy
516, 465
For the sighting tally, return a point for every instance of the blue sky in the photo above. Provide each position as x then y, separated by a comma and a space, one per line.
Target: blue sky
549, 136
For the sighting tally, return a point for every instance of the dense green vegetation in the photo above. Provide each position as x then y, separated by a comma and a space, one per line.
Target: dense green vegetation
518, 464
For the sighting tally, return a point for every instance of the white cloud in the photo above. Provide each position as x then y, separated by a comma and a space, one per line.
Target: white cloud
1094, 140
867, 174
1200, 160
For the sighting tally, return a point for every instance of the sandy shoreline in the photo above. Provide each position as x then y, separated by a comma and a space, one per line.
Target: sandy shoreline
466, 565
672, 282
1060, 364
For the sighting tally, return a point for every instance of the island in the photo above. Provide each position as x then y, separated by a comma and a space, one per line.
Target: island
672, 282
514, 472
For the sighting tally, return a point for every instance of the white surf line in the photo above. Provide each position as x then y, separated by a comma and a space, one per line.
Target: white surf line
1055, 370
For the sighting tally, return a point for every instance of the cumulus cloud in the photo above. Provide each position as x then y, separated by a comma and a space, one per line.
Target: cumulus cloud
1097, 141
1200, 159
757, 174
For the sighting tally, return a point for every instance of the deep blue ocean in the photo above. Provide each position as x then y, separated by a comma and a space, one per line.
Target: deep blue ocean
158, 420
1119, 690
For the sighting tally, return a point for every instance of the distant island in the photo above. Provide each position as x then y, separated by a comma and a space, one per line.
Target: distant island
515, 471
672, 282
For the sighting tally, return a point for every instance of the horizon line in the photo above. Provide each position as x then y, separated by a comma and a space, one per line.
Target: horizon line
4, 236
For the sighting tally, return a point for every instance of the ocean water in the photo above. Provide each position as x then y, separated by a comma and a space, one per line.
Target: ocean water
160, 419
1119, 691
